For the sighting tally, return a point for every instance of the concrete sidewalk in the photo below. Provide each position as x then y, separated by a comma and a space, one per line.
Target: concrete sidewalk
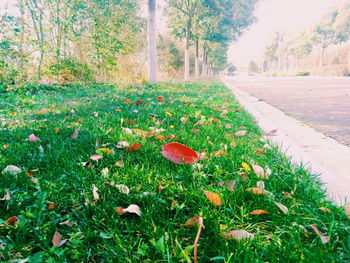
319, 153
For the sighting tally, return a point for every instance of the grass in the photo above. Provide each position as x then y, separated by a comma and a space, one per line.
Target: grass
167, 194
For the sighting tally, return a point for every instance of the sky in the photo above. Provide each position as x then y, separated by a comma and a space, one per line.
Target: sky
289, 16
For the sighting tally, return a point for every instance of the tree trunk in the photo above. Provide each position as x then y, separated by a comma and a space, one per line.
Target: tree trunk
322, 57
197, 60
152, 48
204, 69
187, 51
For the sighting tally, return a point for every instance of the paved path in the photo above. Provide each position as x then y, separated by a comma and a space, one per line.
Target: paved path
321, 154
323, 102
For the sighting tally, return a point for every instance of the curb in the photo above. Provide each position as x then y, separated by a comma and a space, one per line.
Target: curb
318, 153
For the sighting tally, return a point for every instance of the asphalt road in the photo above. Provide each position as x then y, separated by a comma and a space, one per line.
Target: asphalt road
323, 102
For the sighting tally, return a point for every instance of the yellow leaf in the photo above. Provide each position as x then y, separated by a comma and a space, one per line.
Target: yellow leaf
213, 198
94, 192
104, 151
246, 167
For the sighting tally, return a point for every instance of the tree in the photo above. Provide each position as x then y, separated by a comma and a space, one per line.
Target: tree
333, 29
152, 47
188, 9
253, 67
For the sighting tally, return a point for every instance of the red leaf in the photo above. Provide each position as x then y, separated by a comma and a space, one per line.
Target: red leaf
12, 221
179, 153
134, 147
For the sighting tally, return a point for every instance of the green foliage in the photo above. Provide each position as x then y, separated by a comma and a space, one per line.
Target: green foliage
69, 70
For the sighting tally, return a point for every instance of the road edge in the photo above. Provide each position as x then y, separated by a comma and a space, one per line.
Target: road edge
320, 154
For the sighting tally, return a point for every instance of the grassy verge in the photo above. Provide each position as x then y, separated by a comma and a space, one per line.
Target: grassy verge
54, 190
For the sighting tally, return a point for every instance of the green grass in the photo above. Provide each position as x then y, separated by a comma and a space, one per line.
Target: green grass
98, 234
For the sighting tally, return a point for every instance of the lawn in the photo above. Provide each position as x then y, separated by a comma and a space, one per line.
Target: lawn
82, 152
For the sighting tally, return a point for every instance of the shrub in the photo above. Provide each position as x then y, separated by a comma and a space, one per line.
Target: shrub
302, 73
68, 70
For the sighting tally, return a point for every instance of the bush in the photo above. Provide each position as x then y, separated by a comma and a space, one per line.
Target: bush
69, 70
302, 73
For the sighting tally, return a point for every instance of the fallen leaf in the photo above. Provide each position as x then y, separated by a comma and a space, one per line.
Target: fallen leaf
13, 170
184, 120
179, 153
283, 208
259, 171
272, 133
134, 209
237, 235
288, 195
240, 133
231, 185
12, 221
200, 122
122, 188
75, 134
213, 198
56, 239
159, 137
266, 146
258, 150
105, 171
246, 167
324, 209
127, 130
7, 196
256, 191
51, 206
134, 147
6, 146
216, 120
233, 144
260, 185
119, 163
96, 157
33, 138
122, 144
228, 126
259, 212
104, 151
94, 192
324, 239
192, 221
160, 98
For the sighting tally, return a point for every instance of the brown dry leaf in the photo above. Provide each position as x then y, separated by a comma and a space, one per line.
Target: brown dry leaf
283, 208
119, 163
200, 122
240, 133
259, 171
259, 212
256, 191
324, 239
272, 133
57, 129
266, 146
219, 153
288, 195
192, 221
7, 196
127, 130
228, 126
231, 185
122, 188
94, 192
233, 144
75, 134
237, 235
96, 157
325, 209
213, 198
134, 209
56, 239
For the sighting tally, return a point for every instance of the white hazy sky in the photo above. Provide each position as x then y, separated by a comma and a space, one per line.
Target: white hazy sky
289, 16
